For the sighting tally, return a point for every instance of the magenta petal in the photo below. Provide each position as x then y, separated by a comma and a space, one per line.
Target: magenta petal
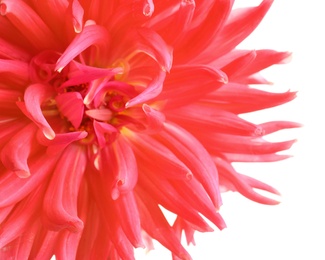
60, 200
70, 104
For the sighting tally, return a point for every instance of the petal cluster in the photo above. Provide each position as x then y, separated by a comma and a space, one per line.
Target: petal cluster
113, 110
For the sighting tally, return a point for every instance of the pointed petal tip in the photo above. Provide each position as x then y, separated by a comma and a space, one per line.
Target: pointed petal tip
22, 173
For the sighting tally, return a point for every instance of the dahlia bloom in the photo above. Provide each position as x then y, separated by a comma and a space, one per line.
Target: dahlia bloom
111, 110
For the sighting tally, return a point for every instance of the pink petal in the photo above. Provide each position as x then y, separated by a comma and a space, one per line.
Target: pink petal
70, 104
244, 184
34, 96
67, 245
14, 189
195, 156
16, 152
91, 35
80, 74
22, 217
240, 24
27, 21
60, 200
105, 133
127, 208
14, 70
61, 141
169, 165
180, 86
154, 223
204, 33
151, 91
155, 118
123, 167
77, 15
13, 52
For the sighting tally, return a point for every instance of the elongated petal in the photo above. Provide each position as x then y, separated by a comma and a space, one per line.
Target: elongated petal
14, 189
241, 24
245, 188
91, 35
61, 196
127, 208
16, 152
34, 97
181, 84
26, 20
191, 151
155, 224
123, 167
14, 70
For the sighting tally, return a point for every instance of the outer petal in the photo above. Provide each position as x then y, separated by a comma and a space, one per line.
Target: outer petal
191, 151
14, 189
28, 23
241, 24
123, 172
16, 152
181, 85
60, 200
154, 223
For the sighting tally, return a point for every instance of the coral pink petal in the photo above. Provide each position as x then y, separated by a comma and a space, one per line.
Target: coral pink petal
242, 23
61, 141
151, 91
60, 199
27, 21
34, 97
15, 70
155, 118
67, 245
91, 35
16, 152
196, 157
14, 189
169, 165
13, 52
155, 224
77, 15
127, 208
181, 86
80, 74
123, 165
105, 133
70, 104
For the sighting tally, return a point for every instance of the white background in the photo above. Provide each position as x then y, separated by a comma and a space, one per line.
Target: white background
294, 229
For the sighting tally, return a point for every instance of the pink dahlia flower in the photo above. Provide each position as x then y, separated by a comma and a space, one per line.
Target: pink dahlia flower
111, 109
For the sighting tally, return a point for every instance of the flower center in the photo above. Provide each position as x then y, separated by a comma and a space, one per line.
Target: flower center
78, 98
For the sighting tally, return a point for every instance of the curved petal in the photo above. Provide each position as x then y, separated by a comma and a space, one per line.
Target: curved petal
15, 153
60, 201
27, 21
181, 85
123, 167
34, 97
90, 35
71, 105
195, 156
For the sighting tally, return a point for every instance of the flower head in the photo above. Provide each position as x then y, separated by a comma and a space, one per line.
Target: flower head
111, 109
